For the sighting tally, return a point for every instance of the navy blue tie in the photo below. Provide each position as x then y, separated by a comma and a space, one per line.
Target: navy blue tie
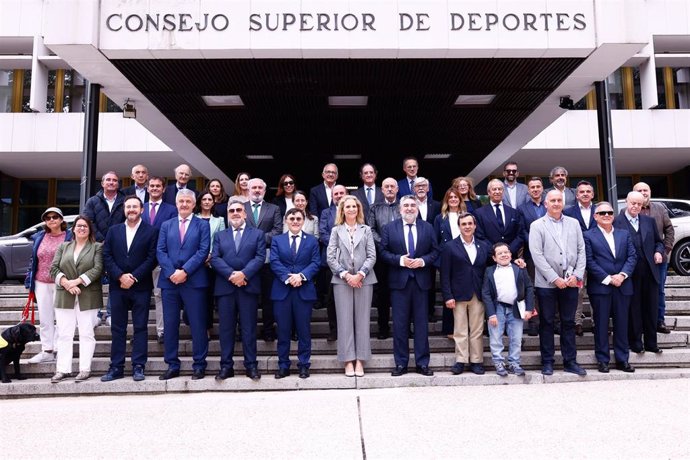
499, 217
410, 242
293, 246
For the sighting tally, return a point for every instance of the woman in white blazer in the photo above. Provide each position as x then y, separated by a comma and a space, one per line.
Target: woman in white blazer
351, 256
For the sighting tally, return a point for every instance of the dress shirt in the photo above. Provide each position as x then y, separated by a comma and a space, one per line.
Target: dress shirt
298, 241
406, 230
288, 204
512, 193
506, 290
586, 214
158, 206
471, 249
608, 236
110, 202
370, 191
130, 232
329, 193
503, 211
634, 221
140, 192
423, 208
454, 227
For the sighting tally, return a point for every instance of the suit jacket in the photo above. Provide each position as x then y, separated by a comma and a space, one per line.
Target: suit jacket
460, 278
283, 263
215, 225
361, 195
404, 188
170, 192
190, 255
132, 190
659, 212
270, 221
648, 242
249, 259
318, 200
139, 260
326, 224
570, 197
89, 265
343, 258
282, 205
488, 229
393, 247
602, 263
576, 213
547, 251
521, 195
528, 214
165, 211
522, 283
433, 209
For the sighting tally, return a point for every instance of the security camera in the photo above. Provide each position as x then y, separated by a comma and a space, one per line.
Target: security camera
566, 103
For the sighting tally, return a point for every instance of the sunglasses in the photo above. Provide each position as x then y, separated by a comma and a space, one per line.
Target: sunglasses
52, 217
604, 213
295, 219
288, 182
510, 171
234, 210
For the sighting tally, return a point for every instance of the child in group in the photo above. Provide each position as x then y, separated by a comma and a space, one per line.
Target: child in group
508, 298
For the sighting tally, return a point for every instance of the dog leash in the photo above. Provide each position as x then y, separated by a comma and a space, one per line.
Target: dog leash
30, 306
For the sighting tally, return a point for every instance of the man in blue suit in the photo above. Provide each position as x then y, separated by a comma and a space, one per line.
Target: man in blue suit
515, 194
183, 246
645, 278
409, 247
237, 257
157, 211
406, 185
129, 255
295, 262
183, 176
369, 193
611, 260
320, 196
498, 223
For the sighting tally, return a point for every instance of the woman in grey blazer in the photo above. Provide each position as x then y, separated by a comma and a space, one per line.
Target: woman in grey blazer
351, 256
77, 268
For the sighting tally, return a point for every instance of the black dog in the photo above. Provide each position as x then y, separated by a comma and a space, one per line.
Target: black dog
12, 346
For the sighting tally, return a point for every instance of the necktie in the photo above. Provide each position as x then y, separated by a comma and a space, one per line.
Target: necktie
499, 217
152, 214
238, 237
633, 222
410, 242
182, 230
369, 199
293, 246
412, 186
255, 213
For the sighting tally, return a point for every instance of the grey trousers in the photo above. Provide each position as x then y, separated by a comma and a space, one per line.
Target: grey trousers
353, 310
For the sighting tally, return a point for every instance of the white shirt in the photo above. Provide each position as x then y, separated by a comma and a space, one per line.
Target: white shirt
586, 214
406, 231
512, 194
373, 193
471, 249
503, 211
329, 193
288, 204
612, 246
140, 192
454, 227
423, 208
110, 202
298, 240
634, 221
130, 232
506, 290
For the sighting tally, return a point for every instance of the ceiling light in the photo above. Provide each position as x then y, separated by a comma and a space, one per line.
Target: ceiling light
347, 101
347, 157
437, 156
223, 101
474, 99
259, 157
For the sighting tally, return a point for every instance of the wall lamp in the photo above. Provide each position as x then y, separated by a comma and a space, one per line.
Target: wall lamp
128, 110
566, 103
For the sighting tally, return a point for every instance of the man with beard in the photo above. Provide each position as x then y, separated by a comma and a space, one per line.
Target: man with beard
558, 178
514, 193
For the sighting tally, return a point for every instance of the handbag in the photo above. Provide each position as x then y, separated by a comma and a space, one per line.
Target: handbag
29, 307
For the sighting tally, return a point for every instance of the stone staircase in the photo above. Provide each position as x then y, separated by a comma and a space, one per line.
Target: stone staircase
327, 371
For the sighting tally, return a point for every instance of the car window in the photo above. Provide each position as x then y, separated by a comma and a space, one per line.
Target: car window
677, 208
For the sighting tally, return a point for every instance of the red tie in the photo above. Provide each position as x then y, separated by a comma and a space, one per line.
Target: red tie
182, 230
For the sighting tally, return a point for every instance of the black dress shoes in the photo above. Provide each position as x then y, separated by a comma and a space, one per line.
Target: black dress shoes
625, 367
170, 374
399, 370
304, 372
477, 368
253, 373
282, 373
547, 369
656, 350
579, 331
198, 374
574, 368
663, 329
269, 336
639, 351
332, 336
383, 335
424, 370
458, 368
603, 367
225, 373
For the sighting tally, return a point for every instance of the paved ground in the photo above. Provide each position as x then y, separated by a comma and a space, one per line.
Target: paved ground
643, 419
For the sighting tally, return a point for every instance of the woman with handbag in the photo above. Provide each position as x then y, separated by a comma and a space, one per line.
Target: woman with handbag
351, 256
41, 284
77, 269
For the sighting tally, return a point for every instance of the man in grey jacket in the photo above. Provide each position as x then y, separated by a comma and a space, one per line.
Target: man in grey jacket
558, 251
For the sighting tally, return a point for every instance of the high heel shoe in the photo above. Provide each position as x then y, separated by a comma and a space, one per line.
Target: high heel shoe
359, 369
349, 369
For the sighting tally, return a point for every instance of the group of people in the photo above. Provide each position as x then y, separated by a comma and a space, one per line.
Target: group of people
522, 259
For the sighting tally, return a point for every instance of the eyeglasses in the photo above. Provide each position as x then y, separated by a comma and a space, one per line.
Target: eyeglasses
234, 210
288, 182
510, 171
604, 213
295, 219
52, 217
330, 172
81, 226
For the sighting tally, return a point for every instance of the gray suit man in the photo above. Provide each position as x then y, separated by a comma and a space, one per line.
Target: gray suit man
515, 194
558, 251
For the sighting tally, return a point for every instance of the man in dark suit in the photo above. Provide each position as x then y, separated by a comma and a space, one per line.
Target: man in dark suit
140, 176
183, 246
645, 278
324, 288
183, 176
499, 223
583, 211
320, 196
265, 217
237, 257
369, 193
611, 260
427, 209
515, 194
406, 185
558, 178
463, 261
129, 255
295, 262
408, 246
